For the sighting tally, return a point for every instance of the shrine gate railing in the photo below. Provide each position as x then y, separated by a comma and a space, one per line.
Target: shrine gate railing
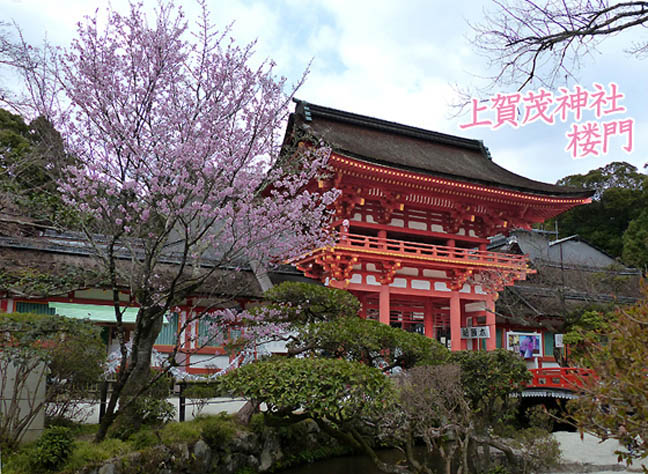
566, 378
421, 251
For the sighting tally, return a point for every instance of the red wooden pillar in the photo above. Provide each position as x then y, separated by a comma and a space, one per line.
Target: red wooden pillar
455, 321
362, 297
383, 307
491, 342
428, 320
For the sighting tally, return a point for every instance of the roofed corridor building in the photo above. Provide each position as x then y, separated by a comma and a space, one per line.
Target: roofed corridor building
414, 216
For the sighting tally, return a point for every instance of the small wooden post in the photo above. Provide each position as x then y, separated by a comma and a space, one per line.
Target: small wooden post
103, 396
182, 405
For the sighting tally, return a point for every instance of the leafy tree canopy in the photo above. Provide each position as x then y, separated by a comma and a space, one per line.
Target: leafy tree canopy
621, 195
489, 378
616, 405
614, 175
335, 373
31, 158
70, 349
324, 323
370, 342
308, 302
635, 242
337, 391
590, 328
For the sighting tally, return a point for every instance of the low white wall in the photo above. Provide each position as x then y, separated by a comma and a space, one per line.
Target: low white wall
30, 396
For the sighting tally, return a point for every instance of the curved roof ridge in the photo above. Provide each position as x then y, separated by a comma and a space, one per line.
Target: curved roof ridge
389, 126
415, 149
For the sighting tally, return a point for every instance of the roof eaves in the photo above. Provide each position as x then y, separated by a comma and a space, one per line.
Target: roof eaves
306, 111
349, 154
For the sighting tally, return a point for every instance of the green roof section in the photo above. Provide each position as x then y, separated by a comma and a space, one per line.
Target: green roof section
93, 312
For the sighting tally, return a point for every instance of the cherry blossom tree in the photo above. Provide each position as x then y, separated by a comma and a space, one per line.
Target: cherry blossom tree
180, 175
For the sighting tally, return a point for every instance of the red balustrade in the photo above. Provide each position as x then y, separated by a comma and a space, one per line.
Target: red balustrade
569, 378
404, 249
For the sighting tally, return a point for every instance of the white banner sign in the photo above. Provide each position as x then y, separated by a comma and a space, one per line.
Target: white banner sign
475, 332
558, 340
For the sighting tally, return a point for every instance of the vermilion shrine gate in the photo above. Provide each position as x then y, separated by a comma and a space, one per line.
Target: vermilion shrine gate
413, 219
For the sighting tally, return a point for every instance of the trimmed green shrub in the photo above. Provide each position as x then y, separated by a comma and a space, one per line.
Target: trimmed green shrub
217, 430
88, 453
183, 432
53, 448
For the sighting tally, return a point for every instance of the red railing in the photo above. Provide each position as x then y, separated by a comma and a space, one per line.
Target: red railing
568, 378
434, 252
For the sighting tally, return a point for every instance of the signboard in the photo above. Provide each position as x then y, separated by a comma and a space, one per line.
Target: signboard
527, 344
558, 340
475, 332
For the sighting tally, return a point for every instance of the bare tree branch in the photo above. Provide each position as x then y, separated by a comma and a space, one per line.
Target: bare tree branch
528, 41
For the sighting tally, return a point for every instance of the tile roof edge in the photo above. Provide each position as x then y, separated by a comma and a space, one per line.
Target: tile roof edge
307, 110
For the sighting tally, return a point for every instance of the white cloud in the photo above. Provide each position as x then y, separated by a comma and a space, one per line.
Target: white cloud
392, 60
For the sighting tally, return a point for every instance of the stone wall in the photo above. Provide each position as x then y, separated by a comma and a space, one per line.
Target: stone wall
261, 450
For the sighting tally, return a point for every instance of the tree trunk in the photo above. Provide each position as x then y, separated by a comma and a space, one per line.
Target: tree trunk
132, 381
244, 415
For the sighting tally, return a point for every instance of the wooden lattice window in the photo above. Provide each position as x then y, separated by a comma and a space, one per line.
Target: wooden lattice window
37, 308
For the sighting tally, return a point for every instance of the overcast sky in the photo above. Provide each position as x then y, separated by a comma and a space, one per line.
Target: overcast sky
395, 60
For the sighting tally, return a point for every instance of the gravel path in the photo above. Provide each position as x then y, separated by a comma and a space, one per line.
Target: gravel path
590, 455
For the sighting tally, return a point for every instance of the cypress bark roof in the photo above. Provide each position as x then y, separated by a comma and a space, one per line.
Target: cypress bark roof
414, 149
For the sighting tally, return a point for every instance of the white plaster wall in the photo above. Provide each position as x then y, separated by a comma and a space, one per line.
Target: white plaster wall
420, 284
206, 361
32, 394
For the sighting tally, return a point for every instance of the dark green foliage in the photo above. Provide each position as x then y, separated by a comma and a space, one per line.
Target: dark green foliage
369, 342
498, 469
309, 455
143, 439
53, 448
308, 302
635, 242
53, 280
489, 378
154, 411
201, 390
617, 174
591, 327
615, 406
70, 349
334, 390
31, 159
621, 195
326, 324
541, 417
217, 430
15, 138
